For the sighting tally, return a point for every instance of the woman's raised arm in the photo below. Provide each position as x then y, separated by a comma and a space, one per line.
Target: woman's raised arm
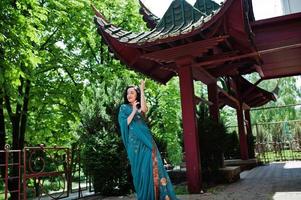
144, 108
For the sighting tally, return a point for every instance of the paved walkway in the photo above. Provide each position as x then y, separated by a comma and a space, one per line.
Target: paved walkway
276, 181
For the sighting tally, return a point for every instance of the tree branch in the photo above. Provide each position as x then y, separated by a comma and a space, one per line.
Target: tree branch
46, 70
48, 39
70, 75
93, 53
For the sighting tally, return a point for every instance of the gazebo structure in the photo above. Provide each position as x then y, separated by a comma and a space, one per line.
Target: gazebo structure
209, 42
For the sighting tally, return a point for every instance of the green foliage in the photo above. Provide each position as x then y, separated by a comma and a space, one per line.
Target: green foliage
212, 137
264, 126
214, 141
103, 152
287, 93
55, 45
271, 155
251, 145
181, 189
165, 119
232, 150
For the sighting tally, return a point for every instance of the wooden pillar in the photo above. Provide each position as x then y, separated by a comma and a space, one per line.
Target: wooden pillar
242, 134
248, 119
249, 134
213, 97
191, 139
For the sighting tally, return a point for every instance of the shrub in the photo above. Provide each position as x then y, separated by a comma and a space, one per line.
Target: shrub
214, 141
103, 153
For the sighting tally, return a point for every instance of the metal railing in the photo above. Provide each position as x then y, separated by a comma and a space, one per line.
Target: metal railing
42, 172
278, 151
8, 167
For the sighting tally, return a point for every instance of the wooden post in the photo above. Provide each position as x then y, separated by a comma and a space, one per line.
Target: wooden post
249, 133
191, 139
213, 97
242, 134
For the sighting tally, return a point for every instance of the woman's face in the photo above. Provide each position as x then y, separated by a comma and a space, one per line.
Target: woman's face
131, 95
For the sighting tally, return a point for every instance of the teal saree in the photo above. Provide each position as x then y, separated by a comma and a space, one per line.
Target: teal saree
150, 178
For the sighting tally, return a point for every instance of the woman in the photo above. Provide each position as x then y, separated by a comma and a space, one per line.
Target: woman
151, 181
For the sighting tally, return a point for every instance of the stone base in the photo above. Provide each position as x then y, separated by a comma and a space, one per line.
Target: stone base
230, 174
244, 164
177, 176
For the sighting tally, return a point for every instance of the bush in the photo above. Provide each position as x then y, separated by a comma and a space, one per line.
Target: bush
103, 152
232, 150
215, 142
212, 137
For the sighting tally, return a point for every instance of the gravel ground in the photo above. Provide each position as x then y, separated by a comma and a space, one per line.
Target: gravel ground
276, 181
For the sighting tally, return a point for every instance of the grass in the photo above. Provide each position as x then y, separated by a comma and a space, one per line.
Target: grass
279, 156
181, 189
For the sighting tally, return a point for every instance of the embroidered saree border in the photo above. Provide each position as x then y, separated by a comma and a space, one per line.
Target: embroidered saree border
155, 172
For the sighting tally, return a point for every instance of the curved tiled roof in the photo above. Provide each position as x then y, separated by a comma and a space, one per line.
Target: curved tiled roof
180, 19
181, 32
151, 19
206, 7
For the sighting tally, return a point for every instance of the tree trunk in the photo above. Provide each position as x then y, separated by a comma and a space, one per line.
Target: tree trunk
2, 134
24, 115
18, 120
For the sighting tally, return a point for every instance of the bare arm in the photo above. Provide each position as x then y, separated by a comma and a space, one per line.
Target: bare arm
131, 116
144, 108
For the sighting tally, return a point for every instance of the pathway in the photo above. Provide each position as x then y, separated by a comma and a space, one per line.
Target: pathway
276, 181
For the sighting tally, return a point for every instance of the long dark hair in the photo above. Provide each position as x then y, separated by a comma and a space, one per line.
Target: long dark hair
137, 89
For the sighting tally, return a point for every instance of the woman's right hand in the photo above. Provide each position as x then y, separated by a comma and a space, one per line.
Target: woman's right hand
135, 109
135, 106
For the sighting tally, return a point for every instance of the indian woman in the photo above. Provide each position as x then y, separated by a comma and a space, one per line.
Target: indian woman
150, 178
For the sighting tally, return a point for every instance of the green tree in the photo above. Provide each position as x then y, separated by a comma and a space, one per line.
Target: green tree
164, 118
104, 153
49, 51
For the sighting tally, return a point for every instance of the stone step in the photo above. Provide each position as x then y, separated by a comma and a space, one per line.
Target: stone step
244, 164
230, 174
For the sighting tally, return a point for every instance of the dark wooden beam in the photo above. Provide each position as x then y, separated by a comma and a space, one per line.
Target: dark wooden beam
193, 50
203, 75
248, 55
249, 133
200, 99
216, 56
242, 135
225, 70
213, 97
245, 106
259, 71
251, 89
231, 101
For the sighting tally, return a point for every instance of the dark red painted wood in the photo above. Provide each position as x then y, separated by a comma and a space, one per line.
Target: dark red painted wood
191, 138
213, 97
242, 135
279, 32
249, 132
